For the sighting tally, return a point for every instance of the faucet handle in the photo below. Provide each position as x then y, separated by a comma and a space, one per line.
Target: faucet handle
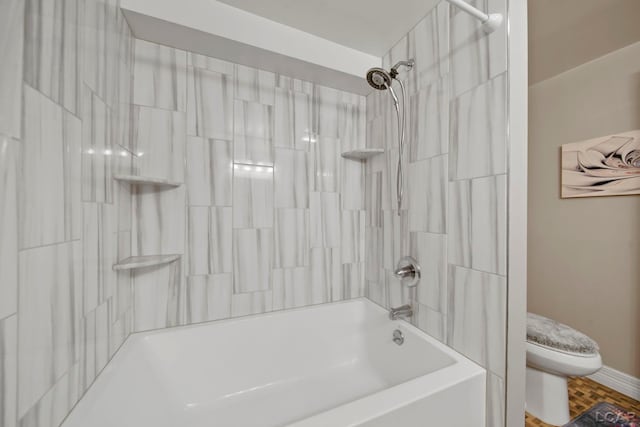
408, 271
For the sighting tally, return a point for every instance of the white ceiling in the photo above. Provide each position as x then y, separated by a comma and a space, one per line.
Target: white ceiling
371, 26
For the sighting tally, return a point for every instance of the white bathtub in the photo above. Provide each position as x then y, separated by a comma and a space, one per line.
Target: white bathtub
331, 365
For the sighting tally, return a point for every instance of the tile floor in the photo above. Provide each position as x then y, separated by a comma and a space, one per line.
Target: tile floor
585, 393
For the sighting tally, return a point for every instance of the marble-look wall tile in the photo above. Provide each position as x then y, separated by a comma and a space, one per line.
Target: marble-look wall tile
373, 105
397, 294
252, 260
427, 195
352, 233
57, 402
432, 322
48, 197
252, 196
475, 55
88, 370
50, 305
324, 111
479, 131
160, 76
9, 172
254, 85
477, 317
72, 158
377, 292
100, 42
296, 85
97, 149
431, 40
291, 179
373, 199
52, 58
123, 105
251, 303
399, 52
389, 171
160, 221
92, 277
324, 159
8, 370
124, 202
212, 64
430, 250
209, 104
159, 138
291, 288
74, 311
208, 297
495, 401
209, 172
101, 342
292, 119
326, 275
478, 224
373, 253
253, 133
12, 24
325, 220
394, 241
250, 150
291, 240
120, 330
209, 240
353, 280
109, 256
352, 184
352, 125
122, 302
158, 297
375, 132
429, 121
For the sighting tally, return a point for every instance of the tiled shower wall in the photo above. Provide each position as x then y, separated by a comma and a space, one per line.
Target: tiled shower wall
64, 112
270, 216
453, 218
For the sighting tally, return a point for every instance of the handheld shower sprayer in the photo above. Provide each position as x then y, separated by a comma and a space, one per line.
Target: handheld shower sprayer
382, 79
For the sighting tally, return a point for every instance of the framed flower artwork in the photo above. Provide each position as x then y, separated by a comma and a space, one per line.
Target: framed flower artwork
605, 166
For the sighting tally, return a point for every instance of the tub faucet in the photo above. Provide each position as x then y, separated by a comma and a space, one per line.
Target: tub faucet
403, 311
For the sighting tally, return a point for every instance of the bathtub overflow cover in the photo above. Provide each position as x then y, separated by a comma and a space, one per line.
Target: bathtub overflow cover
398, 337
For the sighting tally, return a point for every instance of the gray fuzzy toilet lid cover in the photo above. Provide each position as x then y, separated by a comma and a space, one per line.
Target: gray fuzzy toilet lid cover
558, 336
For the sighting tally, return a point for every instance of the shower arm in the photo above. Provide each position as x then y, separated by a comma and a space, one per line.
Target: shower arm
490, 22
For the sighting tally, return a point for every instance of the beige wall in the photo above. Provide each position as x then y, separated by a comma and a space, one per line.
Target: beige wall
566, 33
584, 254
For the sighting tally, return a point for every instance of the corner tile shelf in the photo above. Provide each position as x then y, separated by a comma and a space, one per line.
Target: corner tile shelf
145, 261
145, 180
362, 154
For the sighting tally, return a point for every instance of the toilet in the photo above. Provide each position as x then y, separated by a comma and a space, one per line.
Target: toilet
554, 353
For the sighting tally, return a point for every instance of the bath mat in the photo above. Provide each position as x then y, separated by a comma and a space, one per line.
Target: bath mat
606, 414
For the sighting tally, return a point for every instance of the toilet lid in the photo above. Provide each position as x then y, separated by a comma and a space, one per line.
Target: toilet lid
555, 335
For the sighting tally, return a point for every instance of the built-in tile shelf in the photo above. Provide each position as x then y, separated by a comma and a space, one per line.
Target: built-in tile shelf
362, 154
146, 180
145, 261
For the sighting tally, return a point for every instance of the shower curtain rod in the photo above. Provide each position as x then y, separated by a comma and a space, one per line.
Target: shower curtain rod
490, 21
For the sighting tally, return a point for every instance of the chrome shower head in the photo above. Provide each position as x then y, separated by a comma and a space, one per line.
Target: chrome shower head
379, 79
